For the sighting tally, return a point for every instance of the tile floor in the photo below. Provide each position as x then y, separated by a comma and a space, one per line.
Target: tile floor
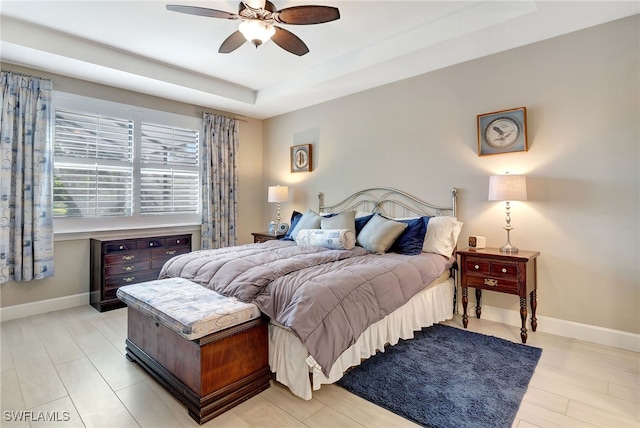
71, 364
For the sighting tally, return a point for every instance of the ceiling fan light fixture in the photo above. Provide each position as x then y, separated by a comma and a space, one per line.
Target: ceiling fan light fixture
256, 31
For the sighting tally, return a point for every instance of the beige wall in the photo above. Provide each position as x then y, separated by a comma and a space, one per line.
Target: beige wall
582, 96
71, 262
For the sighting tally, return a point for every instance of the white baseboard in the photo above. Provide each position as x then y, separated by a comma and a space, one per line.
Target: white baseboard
586, 332
43, 306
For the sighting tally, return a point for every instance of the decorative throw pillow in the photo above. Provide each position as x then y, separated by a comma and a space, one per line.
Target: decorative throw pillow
442, 235
379, 233
361, 221
344, 220
309, 220
334, 239
295, 218
410, 241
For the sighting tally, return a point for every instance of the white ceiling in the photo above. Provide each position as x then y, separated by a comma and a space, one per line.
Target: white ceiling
139, 45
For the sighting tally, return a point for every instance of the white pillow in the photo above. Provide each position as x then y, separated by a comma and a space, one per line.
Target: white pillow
442, 235
379, 234
335, 239
345, 220
309, 220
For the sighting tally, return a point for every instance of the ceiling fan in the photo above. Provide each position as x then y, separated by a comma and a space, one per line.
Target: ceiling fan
258, 18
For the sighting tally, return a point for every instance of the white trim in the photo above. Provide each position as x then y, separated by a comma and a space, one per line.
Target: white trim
588, 333
43, 306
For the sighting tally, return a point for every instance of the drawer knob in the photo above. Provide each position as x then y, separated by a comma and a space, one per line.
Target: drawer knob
476, 267
128, 257
170, 252
127, 268
121, 247
129, 279
490, 282
504, 270
151, 244
178, 241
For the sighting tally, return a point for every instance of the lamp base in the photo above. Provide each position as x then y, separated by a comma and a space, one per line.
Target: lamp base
508, 249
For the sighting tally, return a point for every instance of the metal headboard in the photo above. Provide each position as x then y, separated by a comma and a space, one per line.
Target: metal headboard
385, 199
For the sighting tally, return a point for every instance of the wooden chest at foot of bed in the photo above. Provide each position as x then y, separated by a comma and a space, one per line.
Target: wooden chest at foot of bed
210, 351
209, 375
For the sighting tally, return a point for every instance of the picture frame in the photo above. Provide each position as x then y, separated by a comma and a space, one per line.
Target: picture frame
301, 158
503, 131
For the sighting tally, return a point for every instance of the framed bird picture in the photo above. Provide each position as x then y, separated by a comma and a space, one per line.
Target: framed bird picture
503, 131
301, 158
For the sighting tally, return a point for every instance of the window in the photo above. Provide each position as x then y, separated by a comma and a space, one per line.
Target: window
119, 166
93, 165
169, 169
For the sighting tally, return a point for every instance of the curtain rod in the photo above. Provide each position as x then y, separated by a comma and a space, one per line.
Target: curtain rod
55, 82
227, 117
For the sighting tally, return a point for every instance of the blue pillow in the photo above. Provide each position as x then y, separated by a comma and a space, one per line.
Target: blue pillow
410, 241
295, 218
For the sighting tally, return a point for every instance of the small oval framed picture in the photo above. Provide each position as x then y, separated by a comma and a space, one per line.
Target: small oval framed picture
503, 131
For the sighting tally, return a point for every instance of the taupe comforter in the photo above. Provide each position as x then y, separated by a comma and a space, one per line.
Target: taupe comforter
326, 297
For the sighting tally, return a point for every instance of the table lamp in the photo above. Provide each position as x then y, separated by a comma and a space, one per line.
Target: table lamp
278, 194
508, 188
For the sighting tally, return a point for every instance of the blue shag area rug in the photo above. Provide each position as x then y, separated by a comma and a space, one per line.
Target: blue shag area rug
447, 377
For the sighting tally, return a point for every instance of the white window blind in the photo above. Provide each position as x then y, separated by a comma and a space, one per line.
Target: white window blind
169, 178
122, 167
93, 165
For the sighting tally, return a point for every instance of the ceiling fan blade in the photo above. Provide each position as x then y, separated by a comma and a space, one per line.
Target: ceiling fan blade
289, 42
304, 15
233, 42
202, 11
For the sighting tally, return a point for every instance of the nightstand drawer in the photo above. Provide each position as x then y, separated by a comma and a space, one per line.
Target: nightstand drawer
495, 284
479, 266
504, 269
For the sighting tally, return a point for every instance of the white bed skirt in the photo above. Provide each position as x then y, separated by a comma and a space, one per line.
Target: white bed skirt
291, 362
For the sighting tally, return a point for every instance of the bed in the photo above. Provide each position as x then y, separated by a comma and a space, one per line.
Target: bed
347, 280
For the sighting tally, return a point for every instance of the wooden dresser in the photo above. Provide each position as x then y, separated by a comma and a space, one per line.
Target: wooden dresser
119, 262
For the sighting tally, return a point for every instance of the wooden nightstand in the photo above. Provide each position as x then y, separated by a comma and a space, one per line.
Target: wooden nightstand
265, 236
489, 269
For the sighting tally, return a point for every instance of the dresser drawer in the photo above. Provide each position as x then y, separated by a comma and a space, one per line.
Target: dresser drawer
120, 257
118, 246
130, 278
497, 284
129, 267
179, 241
151, 243
161, 255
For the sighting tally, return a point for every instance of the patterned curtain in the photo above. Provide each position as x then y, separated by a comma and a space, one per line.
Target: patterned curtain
219, 182
26, 178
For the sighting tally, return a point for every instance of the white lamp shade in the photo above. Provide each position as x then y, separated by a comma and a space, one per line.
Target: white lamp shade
278, 194
507, 188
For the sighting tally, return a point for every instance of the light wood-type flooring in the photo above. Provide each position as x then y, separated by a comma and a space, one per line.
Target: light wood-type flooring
70, 365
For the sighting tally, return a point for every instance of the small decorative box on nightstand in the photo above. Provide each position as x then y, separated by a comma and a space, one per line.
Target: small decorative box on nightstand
489, 269
265, 236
